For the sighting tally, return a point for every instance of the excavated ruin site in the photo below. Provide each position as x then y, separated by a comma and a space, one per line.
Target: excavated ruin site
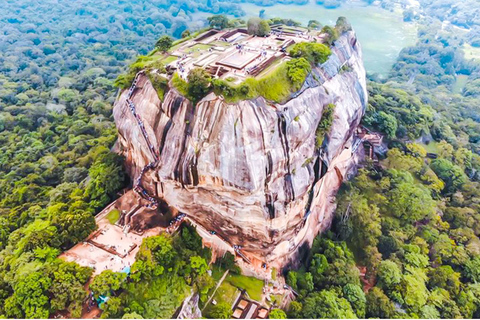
248, 174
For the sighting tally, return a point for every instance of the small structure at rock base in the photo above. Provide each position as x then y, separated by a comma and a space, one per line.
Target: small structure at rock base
245, 308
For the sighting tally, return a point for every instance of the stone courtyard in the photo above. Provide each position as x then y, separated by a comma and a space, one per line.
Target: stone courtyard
234, 55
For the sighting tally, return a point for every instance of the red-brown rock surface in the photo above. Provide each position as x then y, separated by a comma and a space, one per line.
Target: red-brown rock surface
250, 170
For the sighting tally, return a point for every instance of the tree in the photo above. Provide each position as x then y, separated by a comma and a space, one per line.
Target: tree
106, 178
221, 311
359, 221
445, 277
387, 123
106, 282
295, 309
341, 268
314, 24
355, 295
162, 249
378, 304
73, 225
191, 239
297, 71
132, 315
389, 274
342, 25
227, 261
315, 53
203, 284
111, 308
46, 254
68, 95
186, 34
277, 314
413, 289
29, 299
292, 279
198, 83
326, 304
472, 269
451, 174
164, 43
198, 265
218, 22
258, 27
306, 282
410, 202
67, 289
318, 265
331, 34
324, 124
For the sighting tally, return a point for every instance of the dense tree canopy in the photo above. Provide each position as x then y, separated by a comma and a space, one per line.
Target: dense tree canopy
413, 222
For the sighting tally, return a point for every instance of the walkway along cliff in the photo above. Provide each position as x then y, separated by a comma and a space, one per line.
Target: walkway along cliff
248, 172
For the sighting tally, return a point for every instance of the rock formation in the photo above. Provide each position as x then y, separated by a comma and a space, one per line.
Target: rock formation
250, 170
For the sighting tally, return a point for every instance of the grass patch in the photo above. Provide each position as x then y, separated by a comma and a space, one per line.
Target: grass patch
270, 68
177, 43
471, 52
277, 300
169, 59
460, 83
253, 286
276, 86
274, 274
180, 84
432, 147
220, 44
200, 46
113, 216
278, 83
147, 63
225, 293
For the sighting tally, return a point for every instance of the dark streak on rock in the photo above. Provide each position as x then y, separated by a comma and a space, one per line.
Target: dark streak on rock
282, 128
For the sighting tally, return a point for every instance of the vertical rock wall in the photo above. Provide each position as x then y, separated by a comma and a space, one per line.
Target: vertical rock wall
250, 171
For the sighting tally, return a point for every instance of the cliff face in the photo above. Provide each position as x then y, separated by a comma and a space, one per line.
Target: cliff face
249, 171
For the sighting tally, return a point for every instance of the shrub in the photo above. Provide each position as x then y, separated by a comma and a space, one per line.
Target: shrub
159, 83
314, 52
180, 84
324, 124
277, 314
198, 83
221, 311
297, 71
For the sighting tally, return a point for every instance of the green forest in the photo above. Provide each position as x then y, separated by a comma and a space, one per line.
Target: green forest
411, 221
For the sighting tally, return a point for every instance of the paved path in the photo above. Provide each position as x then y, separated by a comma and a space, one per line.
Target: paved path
214, 291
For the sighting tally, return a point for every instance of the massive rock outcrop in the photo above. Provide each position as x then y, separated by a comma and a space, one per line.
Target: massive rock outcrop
250, 171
